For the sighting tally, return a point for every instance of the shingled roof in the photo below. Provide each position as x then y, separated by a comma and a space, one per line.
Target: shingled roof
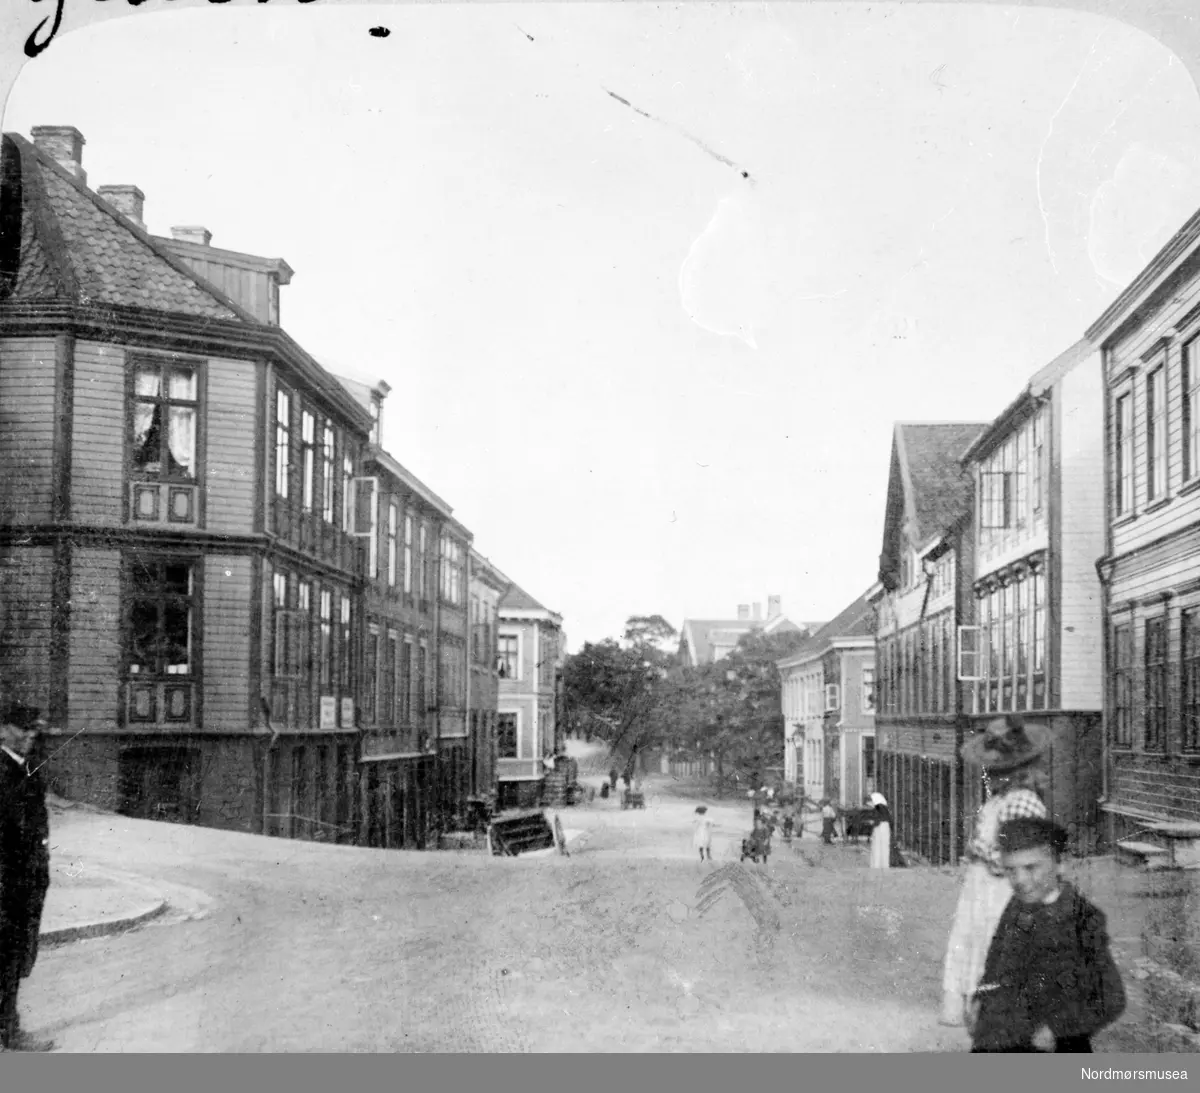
928, 487
856, 620
74, 246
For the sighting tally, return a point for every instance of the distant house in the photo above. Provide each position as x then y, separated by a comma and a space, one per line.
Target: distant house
530, 651
924, 582
486, 586
828, 696
704, 641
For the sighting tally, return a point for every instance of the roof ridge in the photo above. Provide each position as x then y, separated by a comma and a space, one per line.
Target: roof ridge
141, 234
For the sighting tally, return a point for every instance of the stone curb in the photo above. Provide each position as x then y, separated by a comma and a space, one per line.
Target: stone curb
114, 924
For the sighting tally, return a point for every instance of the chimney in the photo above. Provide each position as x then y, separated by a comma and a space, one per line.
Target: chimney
193, 234
743, 611
758, 610
774, 606
63, 144
127, 200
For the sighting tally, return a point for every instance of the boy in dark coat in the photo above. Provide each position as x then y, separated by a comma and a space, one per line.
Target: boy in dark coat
1050, 982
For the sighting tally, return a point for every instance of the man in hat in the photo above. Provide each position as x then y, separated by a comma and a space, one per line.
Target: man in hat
24, 866
1050, 982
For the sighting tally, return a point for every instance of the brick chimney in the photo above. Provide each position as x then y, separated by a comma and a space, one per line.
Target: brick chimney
127, 200
743, 612
192, 234
63, 144
774, 606
758, 611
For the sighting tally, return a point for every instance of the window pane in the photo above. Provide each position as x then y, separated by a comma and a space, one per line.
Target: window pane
143, 637
182, 384
181, 442
177, 579
177, 638
147, 436
146, 382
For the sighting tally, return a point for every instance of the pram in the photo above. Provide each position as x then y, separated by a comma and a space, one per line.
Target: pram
758, 845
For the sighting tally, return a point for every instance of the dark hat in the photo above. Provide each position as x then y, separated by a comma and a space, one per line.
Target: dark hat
702, 809
1008, 743
1028, 832
20, 716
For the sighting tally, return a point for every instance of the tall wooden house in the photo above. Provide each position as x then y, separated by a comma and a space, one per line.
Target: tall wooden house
530, 652
922, 596
1150, 340
413, 674
1035, 642
176, 494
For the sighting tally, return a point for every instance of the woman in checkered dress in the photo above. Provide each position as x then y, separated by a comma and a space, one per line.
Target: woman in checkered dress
1010, 753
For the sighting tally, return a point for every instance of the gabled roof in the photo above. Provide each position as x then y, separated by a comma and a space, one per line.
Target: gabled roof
928, 488
76, 247
516, 599
698, 634
856, 620
1041, 381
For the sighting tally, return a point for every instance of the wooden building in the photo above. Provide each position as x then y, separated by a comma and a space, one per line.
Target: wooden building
1150, 341
923, 595
176, 493
847, 646
1035, 645
530, 651
486, 585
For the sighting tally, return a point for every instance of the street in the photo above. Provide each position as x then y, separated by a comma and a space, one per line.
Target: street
285, 946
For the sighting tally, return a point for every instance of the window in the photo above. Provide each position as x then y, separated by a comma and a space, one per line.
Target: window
868, 690
1122, 683
325, 641
408, 669
1191, 413
1156, 684
452, 571
506, 735
279, 584
422, 563
422, 680
1156, 435
408, 552
994, 488
283, 442
347, 493
868, 757
308, 455
371, 674
165, 415
1038, 460
832, 698
344, 647
161, 629
327, 458
1123, 443
1190, 696
507, 663
392, 525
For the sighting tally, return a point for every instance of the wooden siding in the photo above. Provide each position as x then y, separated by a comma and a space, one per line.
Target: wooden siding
95, 641
1079, 448
231, 428
853, 663
1156, 786
1179, 511
250, 288
27, 427
226, 615
26, 576
98, 435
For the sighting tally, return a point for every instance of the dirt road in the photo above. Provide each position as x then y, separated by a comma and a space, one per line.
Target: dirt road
626, 945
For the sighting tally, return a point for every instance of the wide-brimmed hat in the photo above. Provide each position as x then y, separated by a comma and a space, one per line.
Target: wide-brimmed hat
20, 716
1008, 743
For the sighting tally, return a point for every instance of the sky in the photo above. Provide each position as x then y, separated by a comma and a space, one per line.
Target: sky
651, 283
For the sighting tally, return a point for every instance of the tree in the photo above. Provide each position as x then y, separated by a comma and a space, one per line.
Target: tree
651, 632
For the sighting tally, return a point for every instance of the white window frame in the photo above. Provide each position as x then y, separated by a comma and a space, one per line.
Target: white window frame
520, 636
364, 518
1123, 454
979, 652
833, 698
870, 703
